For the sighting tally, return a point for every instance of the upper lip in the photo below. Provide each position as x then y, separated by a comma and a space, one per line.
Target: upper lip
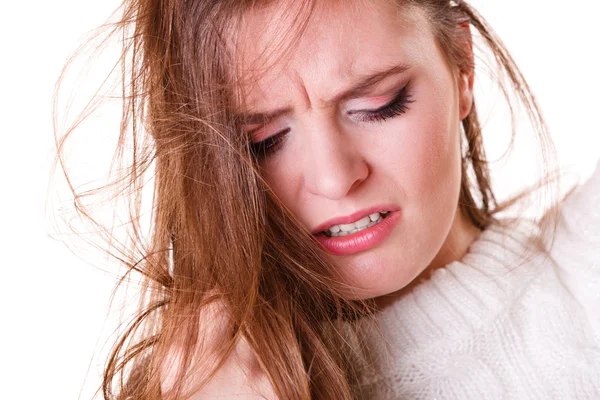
347, 219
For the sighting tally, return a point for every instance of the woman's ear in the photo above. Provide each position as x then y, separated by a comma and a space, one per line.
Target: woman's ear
466, 76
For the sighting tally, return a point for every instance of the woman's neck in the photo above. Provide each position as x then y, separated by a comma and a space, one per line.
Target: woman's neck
462, 234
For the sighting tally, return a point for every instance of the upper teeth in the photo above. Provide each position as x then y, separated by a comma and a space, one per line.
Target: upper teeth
361, 224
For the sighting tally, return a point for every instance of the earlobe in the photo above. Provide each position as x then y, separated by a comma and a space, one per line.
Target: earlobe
467, 74
465, 87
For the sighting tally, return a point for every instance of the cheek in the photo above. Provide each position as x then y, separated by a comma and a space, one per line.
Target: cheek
430, 153
285, 181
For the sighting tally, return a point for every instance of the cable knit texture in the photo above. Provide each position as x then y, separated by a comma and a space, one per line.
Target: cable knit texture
495, 325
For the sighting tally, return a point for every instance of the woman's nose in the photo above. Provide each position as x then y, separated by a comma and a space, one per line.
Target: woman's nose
334, 165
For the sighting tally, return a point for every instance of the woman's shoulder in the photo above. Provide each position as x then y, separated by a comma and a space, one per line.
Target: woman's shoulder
575, 246
576, 239
580, 211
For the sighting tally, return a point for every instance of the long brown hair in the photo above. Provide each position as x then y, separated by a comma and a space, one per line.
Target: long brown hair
217, 231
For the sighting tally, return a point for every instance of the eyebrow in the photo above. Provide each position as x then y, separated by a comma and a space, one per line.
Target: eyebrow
365, 82
360, 85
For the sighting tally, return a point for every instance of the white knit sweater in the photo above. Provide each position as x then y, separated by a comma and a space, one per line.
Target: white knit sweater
488, 328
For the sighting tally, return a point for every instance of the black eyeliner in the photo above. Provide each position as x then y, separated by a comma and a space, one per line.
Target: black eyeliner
397, 106
269, 145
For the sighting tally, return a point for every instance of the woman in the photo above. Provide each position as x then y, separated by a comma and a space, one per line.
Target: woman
323, 221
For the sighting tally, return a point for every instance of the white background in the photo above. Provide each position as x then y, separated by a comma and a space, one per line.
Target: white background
54, 321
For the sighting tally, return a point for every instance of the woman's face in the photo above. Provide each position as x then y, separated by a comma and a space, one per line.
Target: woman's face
357, 130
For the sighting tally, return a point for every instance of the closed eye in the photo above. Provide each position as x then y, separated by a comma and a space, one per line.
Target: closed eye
397, 106
269, 146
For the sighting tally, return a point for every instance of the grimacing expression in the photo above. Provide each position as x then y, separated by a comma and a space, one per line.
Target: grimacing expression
362, 116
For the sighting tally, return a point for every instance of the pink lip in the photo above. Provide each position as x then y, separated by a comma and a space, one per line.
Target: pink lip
353, 217
360, 241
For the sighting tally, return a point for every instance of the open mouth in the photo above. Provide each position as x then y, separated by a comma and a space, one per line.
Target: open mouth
355, 227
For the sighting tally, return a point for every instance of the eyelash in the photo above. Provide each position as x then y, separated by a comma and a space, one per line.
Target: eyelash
397, 106
269, 146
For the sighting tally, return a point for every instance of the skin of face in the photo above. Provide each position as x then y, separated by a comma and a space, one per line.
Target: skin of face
332, 163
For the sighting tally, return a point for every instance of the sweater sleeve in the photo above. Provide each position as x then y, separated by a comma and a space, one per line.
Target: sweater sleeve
576, 247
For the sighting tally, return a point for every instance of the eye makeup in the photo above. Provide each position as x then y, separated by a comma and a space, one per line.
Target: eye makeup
269, 146
398, 105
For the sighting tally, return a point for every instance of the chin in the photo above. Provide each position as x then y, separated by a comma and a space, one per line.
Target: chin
395, 266
374, 274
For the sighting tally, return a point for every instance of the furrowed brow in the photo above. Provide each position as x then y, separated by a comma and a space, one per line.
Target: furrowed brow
262, 118
359, 86
365, 82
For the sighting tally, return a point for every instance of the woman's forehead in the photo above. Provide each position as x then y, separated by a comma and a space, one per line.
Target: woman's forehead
334, 46
310, 28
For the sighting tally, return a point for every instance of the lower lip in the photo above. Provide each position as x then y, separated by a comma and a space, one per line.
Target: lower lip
360, 241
